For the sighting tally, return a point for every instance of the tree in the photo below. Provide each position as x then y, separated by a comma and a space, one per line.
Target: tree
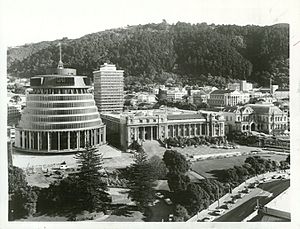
141, 177
181, 214
177, 181
158, 167
175, 162
92, 189
22, 198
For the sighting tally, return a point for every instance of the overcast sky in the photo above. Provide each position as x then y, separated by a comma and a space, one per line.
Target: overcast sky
28, 21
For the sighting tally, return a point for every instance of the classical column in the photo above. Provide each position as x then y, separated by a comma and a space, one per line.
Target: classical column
49, 143
69, 143
95, 136
136, 133
29, 137
84, 133
200, 129
173, 128
143, 133
151, 137
207, 129
78, 139
58, 140
104, 134
23, 139
38, 140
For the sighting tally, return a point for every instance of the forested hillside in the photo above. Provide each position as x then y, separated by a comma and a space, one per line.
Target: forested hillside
160, 53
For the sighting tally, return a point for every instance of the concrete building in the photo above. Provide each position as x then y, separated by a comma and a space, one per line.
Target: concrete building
175, 94
160, 124
146, 97
109, 88
223, 98
241, 85
60, 115
199, 97
266, 118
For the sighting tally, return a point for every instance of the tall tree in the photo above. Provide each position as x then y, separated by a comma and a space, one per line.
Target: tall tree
92, 189
141, 177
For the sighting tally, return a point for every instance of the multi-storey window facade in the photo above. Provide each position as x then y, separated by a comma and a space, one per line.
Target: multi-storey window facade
60, 115
109, 88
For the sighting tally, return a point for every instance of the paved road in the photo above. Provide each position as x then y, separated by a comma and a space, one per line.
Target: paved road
242, 211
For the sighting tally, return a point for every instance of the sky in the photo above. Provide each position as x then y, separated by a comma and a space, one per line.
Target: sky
29, 21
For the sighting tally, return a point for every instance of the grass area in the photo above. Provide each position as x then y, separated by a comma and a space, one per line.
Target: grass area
205, 166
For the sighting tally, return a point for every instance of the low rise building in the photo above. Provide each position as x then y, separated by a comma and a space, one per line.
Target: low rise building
223, 98
265, 117
176, 94
160, 124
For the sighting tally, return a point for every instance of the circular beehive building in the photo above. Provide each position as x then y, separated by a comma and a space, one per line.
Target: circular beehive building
60, 115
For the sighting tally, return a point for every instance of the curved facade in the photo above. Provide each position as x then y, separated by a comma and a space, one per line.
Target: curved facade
60, 115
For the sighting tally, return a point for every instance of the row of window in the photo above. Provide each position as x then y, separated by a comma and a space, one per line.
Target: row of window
60, 105
69, 125
60, 91
60, 112
59, 97
62, 119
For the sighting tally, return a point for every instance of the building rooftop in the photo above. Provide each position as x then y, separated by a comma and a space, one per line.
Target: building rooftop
217, 92
265, 108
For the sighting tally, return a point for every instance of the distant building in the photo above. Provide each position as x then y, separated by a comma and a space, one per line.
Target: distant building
175, 94
160, 124
269, 118
109, 88
240, 118
146, 97
242, 85
223, 98
199, 97
265, 118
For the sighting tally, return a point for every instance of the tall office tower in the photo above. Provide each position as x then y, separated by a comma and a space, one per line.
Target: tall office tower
60, 115
109, 88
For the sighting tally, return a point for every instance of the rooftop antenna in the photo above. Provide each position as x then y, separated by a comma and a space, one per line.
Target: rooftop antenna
60, 63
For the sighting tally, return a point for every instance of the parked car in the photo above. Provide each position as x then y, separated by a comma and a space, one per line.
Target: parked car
207, 219
159, 195
233, 201
219, 211
246, 191
225, 206
168, 201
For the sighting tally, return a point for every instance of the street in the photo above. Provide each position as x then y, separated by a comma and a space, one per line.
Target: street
241, 212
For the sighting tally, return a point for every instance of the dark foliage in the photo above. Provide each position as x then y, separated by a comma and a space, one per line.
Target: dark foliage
22, 198
141, 177
163, 53
85, 190
175, 162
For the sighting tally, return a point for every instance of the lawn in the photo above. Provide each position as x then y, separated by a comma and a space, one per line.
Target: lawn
205, 166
